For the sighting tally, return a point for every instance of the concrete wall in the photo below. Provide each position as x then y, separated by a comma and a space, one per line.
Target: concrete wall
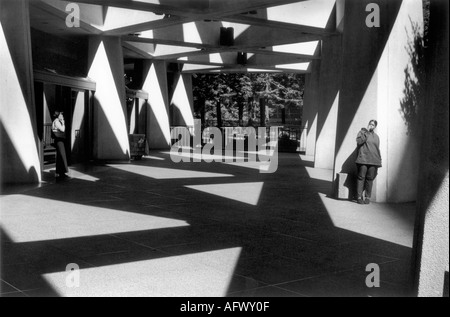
19, 158
373, 87
67, 55
431, 240
143, 116
110, 128
397, 97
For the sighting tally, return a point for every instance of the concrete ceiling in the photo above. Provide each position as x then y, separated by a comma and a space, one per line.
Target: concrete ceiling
276, 35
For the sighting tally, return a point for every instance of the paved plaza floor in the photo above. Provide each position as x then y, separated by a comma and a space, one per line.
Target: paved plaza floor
157, 228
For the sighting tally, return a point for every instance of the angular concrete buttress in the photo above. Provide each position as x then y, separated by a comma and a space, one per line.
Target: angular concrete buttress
19, 158
155, 83
110, 125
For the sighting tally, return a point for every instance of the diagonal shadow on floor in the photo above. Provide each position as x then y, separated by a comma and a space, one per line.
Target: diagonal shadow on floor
220, 230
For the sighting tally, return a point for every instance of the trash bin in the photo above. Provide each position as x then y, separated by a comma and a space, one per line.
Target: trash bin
138, 146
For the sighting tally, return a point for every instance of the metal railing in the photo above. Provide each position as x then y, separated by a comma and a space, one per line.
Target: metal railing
293, 135
47, 137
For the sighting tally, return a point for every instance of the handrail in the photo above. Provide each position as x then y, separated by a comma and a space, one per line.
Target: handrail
47, 139
295, 133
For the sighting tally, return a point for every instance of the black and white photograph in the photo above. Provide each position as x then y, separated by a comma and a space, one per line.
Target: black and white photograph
230, 155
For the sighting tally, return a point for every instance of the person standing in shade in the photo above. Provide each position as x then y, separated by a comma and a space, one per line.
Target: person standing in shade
368, 161
59, 135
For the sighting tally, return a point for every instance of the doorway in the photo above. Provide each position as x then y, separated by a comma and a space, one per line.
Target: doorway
75, 101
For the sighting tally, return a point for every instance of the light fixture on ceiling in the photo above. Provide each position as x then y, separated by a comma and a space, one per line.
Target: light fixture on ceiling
226, 36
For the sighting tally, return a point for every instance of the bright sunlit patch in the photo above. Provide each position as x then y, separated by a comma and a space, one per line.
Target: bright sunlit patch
83, 176
207, 274
156, 158
298, 66
115, 18
305, 48
166, 173
147, 34
311, 13
320, 174
162, 50
148, 1
190, 33
257, 70
192, 67
247, 193
379, 221
216, 58
28, 219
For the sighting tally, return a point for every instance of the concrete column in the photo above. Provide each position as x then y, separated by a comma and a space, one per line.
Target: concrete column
431, 240
110, 125
155, 83
19, 158
78, 144
311, 106
262, 111
142, 116
328, 101
183, 101
376, 66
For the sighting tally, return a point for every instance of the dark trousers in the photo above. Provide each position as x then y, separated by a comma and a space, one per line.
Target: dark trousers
366, 176
61, 158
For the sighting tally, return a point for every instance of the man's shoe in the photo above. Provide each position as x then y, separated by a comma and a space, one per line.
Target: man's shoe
367, 201
360, 201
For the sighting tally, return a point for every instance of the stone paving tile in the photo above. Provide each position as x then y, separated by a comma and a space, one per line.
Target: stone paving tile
346, 284
123, 257
91, 246
6, 288
23, 277
265, 292
381, 248
38, 257
276, 270
14, 294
